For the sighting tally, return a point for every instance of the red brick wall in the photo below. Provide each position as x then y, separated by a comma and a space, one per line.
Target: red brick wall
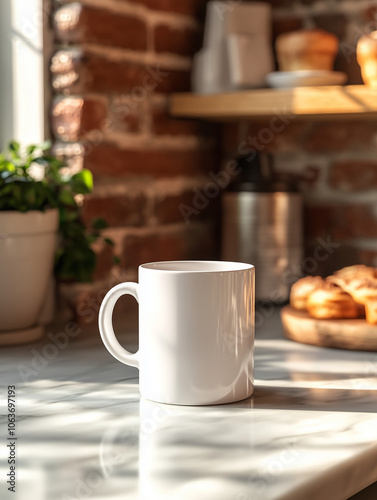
114, 66
334, 161
116, 62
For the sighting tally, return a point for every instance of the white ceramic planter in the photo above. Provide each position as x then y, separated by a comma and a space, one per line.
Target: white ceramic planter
27, 247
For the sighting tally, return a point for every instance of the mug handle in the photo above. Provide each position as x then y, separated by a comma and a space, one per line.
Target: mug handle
105, 323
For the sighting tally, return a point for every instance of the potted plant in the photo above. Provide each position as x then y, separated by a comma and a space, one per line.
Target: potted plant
40, 229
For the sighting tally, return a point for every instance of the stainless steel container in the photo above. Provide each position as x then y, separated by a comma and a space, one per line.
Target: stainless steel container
262, 225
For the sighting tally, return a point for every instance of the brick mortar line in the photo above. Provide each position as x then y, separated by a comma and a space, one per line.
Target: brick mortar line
126, 142
346, 7
352, 6
155, 229
95, 96
328, 156
141, 12
83, 287
337, 198
173, 20
363, 243
163, 187
148, 143
115, 6
359, 243
293, 162
118, 233
115, 54
159, 99
141, 142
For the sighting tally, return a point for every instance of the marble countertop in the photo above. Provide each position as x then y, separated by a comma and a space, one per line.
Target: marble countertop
309, 431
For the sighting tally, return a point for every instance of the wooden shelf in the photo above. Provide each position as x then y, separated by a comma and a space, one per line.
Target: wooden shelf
302, 102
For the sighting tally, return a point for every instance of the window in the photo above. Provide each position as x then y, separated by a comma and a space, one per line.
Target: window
21, 71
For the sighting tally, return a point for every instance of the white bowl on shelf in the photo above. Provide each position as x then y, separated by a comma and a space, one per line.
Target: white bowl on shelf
304, 78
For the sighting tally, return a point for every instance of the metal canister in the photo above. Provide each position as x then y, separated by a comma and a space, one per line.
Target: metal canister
262, 225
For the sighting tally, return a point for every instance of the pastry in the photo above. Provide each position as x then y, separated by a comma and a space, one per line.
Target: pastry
313, 49
371, 311
358, 271
367, 58
331, 302
349, 275
362, 290
301, 290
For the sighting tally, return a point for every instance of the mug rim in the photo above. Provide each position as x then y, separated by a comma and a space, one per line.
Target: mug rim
223, 266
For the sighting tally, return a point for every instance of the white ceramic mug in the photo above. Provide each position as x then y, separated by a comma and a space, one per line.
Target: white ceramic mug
196, 331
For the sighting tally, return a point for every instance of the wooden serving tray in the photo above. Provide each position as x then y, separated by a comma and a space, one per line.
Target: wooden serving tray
354, 334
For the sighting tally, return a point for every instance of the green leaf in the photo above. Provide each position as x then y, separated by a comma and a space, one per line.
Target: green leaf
53, 174
68, 216
46, 145
92, 238
76, 263
66, 198
30, 149
82, 182
30, 195
14, 146
41, 160
109, 242
99, 223
9, 166
53, 161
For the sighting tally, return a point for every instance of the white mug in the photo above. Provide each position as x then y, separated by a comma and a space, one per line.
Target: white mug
196, 331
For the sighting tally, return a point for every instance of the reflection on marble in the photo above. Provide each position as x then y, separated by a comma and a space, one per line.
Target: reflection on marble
309, 431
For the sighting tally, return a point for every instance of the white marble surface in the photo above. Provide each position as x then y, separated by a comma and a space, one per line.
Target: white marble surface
309, 432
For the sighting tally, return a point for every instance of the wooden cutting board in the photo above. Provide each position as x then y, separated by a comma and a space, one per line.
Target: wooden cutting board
354, 334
